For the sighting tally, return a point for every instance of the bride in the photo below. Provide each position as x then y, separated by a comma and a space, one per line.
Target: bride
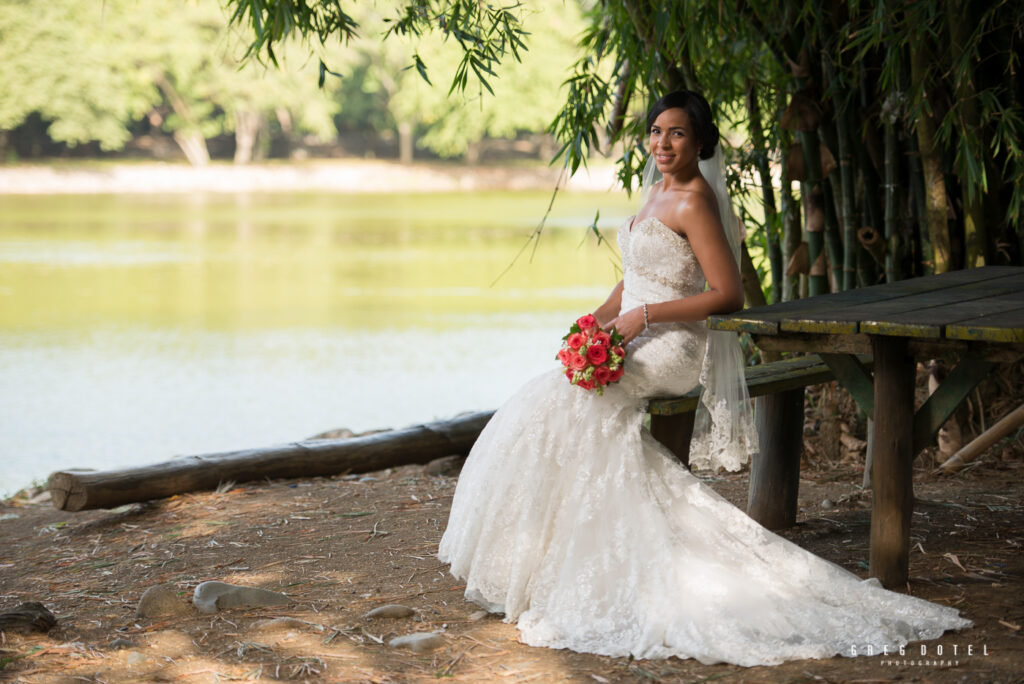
573, 521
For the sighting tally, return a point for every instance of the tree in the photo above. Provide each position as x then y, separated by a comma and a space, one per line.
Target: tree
523, 95
92, 70
902, 122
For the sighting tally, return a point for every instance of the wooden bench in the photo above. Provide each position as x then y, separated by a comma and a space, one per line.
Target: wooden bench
778, 390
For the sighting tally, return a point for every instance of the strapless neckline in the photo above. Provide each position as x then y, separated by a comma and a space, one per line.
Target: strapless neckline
634, 225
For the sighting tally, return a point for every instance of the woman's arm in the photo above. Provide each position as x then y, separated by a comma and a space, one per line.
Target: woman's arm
610, 309
707, 239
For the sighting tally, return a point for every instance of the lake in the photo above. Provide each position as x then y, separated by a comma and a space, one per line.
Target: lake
134, 328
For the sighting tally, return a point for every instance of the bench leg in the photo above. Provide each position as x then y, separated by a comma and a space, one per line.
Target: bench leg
775, 472
675, 432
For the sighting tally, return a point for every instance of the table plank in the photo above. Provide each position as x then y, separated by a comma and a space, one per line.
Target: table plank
933, 321
1005, 326
767, 319
905, 315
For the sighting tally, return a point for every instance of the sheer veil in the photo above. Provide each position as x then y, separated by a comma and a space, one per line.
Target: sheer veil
724, 435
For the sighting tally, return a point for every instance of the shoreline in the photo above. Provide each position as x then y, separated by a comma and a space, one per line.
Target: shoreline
348, 176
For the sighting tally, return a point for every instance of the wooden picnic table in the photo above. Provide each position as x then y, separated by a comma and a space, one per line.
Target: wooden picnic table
976, 315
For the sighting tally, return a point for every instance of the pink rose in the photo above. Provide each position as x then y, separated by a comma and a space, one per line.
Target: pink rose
602, 338
596, 354
577, 340
577, 362
563, 356
602, 374
587, 322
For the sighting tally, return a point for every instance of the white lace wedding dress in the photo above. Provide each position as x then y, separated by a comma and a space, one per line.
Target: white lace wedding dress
572, 520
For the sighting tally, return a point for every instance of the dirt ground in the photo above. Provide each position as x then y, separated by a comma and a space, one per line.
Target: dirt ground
339, 547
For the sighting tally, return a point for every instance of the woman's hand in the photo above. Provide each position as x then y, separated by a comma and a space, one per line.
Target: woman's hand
629, 324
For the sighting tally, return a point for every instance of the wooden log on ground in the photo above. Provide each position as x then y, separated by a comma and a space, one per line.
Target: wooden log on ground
28, 617
78, 491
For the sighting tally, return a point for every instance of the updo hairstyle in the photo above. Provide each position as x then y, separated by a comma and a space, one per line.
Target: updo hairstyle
699, 112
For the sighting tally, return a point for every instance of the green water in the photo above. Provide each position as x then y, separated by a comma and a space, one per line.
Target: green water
135, 328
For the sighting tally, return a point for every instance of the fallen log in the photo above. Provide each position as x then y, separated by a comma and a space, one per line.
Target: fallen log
80, 490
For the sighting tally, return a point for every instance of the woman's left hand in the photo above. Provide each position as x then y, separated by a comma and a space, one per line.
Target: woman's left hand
629, 324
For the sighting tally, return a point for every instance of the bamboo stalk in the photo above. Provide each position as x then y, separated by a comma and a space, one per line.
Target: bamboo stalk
979, 444
891, 236
846, 190
814, 219
975, 237
791, 238
771, 214
936, 200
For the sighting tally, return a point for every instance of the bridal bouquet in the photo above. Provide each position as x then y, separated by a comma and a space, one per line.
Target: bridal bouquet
592, 357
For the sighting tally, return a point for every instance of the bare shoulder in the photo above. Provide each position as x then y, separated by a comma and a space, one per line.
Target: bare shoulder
695, 211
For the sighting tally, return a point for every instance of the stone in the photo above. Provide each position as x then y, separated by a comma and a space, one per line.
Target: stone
209, 597
134, 657
391, 611
121, 643
478, 615
420, 642
446, 465
827, 505
161, 600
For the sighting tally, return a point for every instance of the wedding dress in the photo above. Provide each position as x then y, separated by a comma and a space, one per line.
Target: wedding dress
573, 521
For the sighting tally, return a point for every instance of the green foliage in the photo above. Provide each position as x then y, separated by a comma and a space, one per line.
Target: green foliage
93, 70
392, 65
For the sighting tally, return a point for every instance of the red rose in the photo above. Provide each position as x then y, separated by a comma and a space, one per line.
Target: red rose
619, 351
602, 374
577, 340
602, 338
616, 374
586, 384
596, 354
563, 356
577, 362
586, 322
569, 374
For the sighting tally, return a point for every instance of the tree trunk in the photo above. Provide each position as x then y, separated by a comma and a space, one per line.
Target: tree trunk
189, 139
77, 491
247, 129
194, 146
405, 142
936, 202
473, 149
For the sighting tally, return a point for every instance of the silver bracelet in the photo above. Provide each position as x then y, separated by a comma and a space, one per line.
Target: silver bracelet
646, 322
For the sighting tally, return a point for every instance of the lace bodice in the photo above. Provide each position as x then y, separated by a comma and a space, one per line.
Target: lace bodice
659, 265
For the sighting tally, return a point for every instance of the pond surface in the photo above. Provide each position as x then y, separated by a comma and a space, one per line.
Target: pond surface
136, 328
